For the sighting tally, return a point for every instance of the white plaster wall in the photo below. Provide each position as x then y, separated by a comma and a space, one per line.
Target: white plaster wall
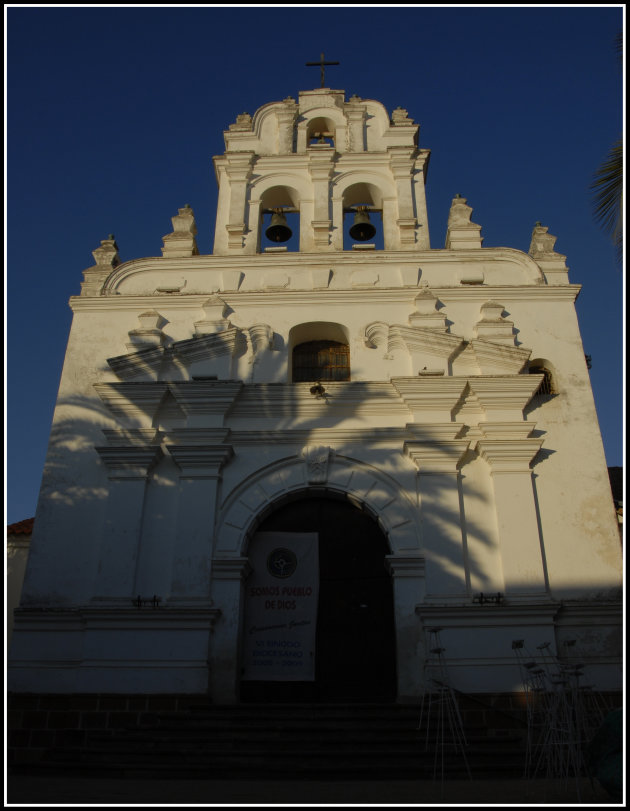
73, 495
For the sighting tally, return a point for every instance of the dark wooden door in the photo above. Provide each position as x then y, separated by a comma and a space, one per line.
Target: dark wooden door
355, 649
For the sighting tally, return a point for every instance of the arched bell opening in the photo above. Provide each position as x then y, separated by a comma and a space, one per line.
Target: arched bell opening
332, 570
363, 216
320, 132
279, 219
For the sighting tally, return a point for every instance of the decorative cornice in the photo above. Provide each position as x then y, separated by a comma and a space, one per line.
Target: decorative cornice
333, 437
295, 399
230, 568
468, 614
423, 339
439, 456
196, 436
134, 364
509, 455
142, 437
507, 430
204, 346
349, 295
204, 397
427, 257
591, 612
405, 565
121, 617
134, 462
132, 400
491, 356
434, 432
201, 461
426, 396
428, 399
509, 393
487, 356
208, 346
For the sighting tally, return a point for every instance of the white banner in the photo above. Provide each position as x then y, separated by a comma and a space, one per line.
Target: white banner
281, 607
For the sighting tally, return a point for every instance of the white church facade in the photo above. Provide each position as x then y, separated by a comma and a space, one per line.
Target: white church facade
275, 470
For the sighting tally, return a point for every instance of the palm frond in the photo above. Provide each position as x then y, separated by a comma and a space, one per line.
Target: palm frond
607, 189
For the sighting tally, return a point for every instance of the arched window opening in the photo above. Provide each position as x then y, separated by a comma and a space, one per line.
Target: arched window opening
321, 360
547, 385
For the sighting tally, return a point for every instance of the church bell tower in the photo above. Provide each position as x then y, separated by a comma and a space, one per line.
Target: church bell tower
329, 161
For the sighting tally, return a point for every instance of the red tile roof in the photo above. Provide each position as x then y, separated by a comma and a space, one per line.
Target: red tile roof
21, 527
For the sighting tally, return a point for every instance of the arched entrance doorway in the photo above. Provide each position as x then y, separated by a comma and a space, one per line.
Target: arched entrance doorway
355, 640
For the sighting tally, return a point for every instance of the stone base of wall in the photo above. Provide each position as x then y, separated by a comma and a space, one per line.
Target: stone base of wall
36, 723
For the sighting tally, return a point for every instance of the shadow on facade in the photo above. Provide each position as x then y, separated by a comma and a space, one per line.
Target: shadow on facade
456, 535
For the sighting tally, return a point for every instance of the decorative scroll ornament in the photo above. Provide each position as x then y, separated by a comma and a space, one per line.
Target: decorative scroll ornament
317, 459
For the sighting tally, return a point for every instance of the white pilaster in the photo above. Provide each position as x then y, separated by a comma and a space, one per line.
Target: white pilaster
401, 166
128, 471
440, 514
237, 170
228, 574
519, 536
200, 467
320, 170
408, 576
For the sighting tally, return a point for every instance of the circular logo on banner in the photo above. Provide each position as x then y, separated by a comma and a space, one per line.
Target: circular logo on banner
281, 562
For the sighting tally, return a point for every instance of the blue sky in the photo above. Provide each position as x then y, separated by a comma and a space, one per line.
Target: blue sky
114, 114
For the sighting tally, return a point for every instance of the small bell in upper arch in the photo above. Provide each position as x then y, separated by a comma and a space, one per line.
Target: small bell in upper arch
278, 230
362, 229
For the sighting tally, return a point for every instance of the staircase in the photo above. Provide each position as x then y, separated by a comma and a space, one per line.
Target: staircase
318, 741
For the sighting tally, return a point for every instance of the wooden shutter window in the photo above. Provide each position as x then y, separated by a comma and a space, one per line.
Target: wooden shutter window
321, 360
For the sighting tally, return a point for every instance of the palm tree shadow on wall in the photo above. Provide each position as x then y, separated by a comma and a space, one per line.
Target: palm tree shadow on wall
74, 494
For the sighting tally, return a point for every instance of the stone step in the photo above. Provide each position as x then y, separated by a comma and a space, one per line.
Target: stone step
355, 712
253, 762
295, 736
288, 716
247, 741
245, 769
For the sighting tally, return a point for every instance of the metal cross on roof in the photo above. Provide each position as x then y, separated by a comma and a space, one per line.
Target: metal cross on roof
321, 64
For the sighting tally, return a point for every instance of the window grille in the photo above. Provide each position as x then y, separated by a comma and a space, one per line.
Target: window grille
546, 384
321, 360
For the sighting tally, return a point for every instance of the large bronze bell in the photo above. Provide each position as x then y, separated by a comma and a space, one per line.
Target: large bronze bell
362, 229
278, 230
